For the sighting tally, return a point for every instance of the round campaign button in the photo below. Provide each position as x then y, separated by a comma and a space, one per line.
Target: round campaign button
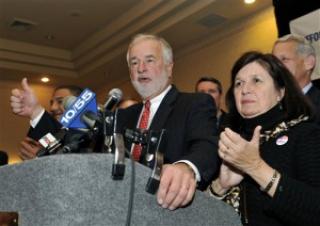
282, 140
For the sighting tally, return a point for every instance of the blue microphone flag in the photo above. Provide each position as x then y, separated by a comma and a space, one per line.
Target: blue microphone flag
86, 101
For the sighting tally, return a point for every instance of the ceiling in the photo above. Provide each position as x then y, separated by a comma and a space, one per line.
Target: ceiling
84, 42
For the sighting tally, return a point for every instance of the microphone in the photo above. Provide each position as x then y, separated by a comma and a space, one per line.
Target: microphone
89, 118
82, 113
114, 97
68, 101
51, 143
76, 107
75, 142
93, 121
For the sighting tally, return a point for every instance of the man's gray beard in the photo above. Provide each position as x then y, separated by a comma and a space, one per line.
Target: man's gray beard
143, 92
148, 91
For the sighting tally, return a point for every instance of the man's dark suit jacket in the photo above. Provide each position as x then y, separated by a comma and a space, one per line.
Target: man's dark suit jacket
314, 95
46, 124
189, 120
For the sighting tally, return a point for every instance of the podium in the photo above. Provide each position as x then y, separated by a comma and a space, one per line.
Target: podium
77, 189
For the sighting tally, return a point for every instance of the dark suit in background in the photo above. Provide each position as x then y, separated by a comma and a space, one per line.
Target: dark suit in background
314, 96
46, 124
3, 158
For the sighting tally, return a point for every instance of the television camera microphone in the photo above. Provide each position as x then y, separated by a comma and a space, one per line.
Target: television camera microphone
82, 113
51, 143
77, 107
65, 141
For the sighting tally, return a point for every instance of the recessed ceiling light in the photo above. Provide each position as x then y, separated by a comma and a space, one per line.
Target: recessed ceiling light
45, 79
18, 24
249, 1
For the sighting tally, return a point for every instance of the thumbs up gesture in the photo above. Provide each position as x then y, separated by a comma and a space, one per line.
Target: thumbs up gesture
240, 153
24, 102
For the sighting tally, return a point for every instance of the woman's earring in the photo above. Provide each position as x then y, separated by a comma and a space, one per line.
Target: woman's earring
279, 103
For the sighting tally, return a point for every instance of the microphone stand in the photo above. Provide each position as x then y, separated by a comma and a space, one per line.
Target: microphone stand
152, 153
154, 179
108, 125
118, 166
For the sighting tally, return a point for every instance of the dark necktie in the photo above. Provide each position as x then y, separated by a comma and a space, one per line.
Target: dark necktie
136, 152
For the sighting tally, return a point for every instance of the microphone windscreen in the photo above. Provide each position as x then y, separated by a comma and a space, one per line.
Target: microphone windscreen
116, 92
114, 97
68, 101
90, 119
75, 107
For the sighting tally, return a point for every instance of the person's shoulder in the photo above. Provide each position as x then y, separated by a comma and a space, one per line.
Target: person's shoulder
316, 83
196, 100
194, 97
130, 112
314, 97
306, 138
128, 115
3, 153
3, 158
314, 92
307, 128
130, 109
317, 94
316, 89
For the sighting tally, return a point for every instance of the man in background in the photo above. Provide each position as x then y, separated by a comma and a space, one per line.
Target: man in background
298, 55
213, 87
316, 83
29, 147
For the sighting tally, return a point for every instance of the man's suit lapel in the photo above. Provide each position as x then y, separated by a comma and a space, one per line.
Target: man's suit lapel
314, 95
310, 92
134, 115
164, 109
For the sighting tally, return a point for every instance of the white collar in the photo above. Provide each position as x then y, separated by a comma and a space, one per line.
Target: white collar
157, 100
155, 103
307, 88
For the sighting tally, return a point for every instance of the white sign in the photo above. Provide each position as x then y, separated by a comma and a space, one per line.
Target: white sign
309, 27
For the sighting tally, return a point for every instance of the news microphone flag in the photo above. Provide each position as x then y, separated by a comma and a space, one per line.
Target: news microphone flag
86, 101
